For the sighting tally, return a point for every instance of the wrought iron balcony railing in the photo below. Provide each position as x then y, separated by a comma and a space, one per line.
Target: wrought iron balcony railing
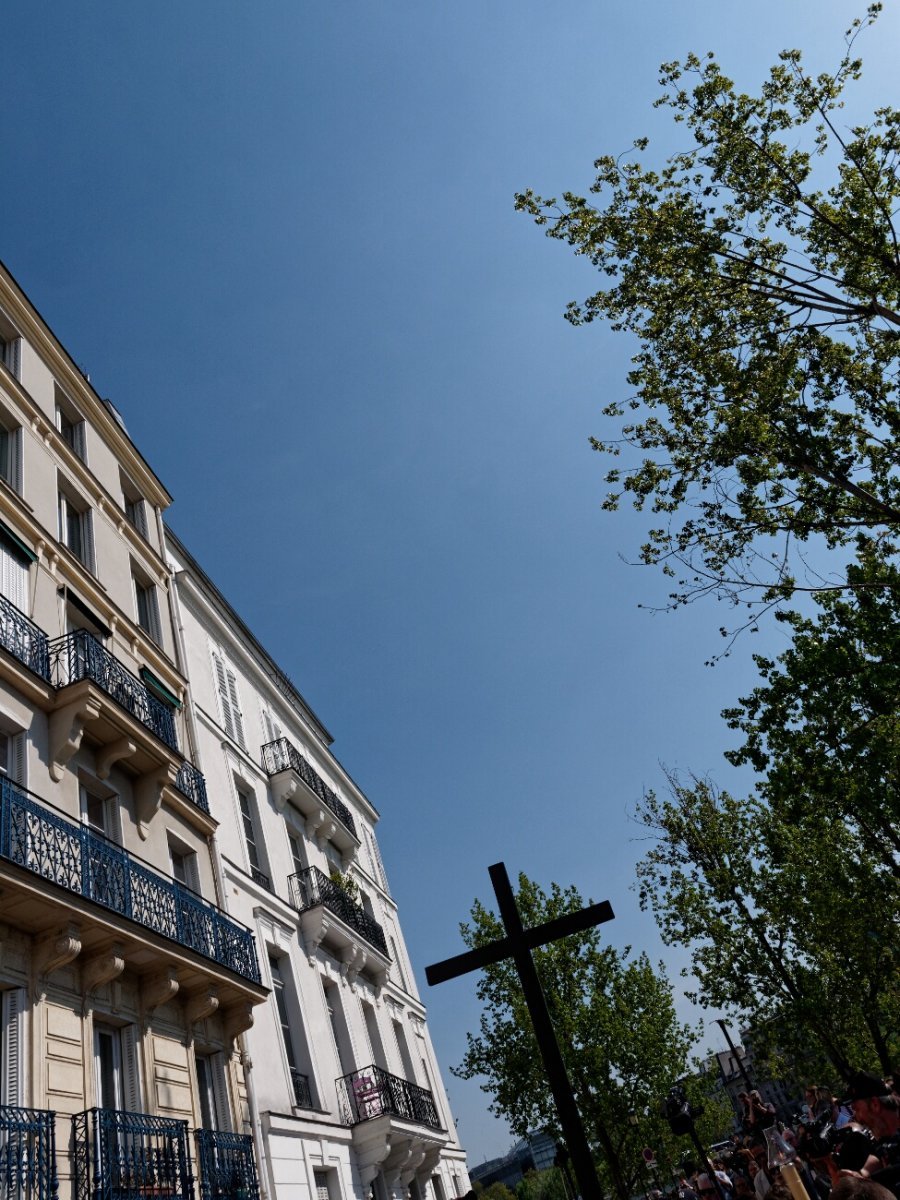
130, 1156
76, 858
312, 887
261, 878
372, 1092
28, 1154
79, 655
227, 1166
24, 640
190, 783
282, 754
302, 1094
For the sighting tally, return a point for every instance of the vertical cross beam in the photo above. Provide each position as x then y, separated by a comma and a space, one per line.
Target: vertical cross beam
518, 944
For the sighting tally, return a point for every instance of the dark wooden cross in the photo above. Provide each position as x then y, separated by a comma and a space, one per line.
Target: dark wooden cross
517, 945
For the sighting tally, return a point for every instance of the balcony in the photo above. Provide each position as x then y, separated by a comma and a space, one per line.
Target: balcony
302, 1093
227, 1166
373, 1092
21, 638
130, 1156
357, 935
79, 655
295, 781
28, 1154
98, 696
78, 862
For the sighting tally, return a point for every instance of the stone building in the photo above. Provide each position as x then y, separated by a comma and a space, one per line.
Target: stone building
128, 980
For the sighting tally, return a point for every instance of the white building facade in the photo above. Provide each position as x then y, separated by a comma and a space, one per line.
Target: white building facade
148, 912
346, 1094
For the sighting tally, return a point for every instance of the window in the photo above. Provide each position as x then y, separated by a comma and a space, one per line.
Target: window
13, 573
10, 453
184, 867
10, 347
271, 728
71, 425
100, 810
147, 606
135, 506
248, 822
12, 756
296, 853
292, 1037
213, 1092
116, 1068
226, 685
76, 529
321, 1181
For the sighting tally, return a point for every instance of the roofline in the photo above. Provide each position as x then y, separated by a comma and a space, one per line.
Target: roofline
278, 675
114, 425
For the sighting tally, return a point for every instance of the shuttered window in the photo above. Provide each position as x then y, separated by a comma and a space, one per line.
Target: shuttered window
229, 702
76, 531
147, 604
13, 578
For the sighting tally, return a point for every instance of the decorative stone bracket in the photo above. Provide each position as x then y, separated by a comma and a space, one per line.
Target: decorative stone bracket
237, 1018
160, 988
204, 1004
57, 949
148, 795
66, 731
102, 968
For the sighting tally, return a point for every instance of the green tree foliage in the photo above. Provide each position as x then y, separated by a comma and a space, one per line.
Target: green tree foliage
615, 1022
497, 1191
788, 899
542, 1185
759, 272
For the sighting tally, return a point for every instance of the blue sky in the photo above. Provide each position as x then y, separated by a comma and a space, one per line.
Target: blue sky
280, 237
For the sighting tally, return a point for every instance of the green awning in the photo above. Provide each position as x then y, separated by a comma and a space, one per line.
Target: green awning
155, 685
16, 543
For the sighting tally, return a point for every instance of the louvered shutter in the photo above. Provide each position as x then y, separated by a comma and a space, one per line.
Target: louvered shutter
267, 726
87, 540
13, 579
155, 629
236, 711
16, 757
12, 1036
220, 1092
131, 1078
379, 865
14, 459
14, 357
79, 440
222, 688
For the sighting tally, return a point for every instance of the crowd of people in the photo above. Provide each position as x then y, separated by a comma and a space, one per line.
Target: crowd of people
844, 1148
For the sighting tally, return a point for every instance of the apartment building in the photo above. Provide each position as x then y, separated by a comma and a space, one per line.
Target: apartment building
349, 1101
148, 909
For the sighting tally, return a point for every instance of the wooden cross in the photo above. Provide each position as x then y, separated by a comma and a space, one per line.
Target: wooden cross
517, 945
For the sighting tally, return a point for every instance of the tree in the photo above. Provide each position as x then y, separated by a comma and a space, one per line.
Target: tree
759, 271
615, 1022
542, 1185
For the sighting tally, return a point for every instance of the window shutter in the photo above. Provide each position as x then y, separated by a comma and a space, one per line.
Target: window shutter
13, 579
376, 858
236, 711
155, 630
87, 540
14, 459
79, 441
220, 1093
140, 517
17, 758
14, 357
267, 725
131, 1083
12, 1036
222, 686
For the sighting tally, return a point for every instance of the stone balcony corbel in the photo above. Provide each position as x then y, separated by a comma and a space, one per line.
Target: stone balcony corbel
237, 1019
102, 968
66, 731
203, 1005
57, 949
107, 757
148, 795
159, 989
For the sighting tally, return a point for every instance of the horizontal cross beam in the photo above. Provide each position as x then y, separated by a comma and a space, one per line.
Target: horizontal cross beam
529, 939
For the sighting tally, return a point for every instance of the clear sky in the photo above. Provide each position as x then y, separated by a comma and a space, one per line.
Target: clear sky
280, 237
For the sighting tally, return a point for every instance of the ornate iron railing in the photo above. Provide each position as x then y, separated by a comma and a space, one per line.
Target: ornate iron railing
261, 878
190, 783
130, 1156
76, 858
302, 1093
79, 655
282, 754
24, 640
372, 1092
311, 887
227, 1166
28, 1154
